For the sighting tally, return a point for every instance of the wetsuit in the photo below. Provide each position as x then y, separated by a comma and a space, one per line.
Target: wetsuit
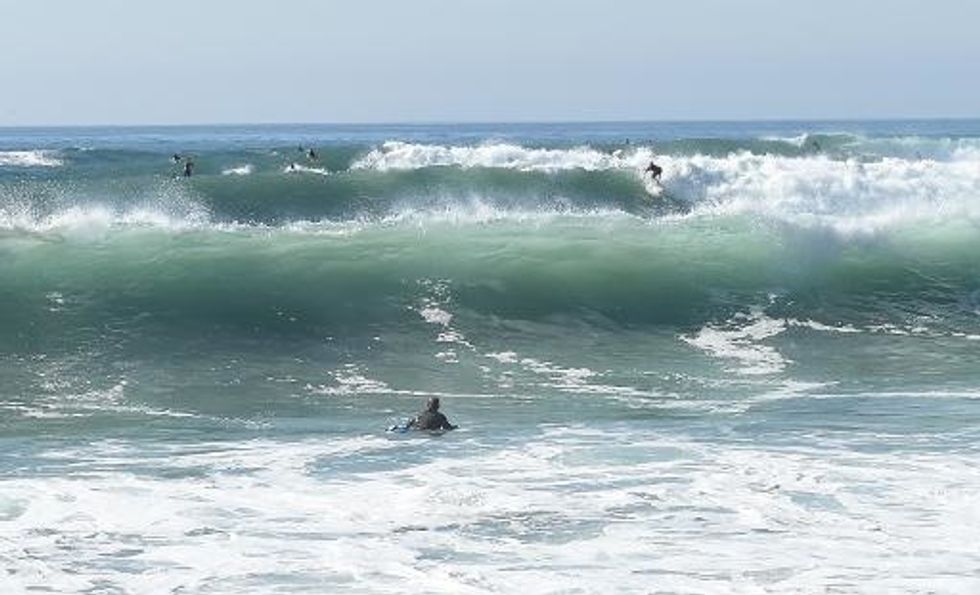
431, 420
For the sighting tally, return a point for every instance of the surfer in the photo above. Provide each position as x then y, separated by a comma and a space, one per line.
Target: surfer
311, 154
655, 171
188, 168
431, 418
176, 157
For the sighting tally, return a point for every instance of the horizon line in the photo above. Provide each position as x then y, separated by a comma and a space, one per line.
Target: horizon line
380, 123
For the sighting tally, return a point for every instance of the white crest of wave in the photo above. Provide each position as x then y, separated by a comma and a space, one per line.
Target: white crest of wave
395, 155
241, 170
98, 217
29, 159
848, 196
474, 211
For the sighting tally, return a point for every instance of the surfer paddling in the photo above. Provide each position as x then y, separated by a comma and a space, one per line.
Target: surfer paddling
431, 418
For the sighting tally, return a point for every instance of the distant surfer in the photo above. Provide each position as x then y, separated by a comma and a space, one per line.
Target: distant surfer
188, 168
655, 171
431, 418
311, 154
176, 157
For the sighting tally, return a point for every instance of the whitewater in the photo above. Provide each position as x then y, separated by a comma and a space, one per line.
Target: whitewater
761, 375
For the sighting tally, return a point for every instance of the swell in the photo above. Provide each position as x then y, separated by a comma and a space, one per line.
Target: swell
356, 279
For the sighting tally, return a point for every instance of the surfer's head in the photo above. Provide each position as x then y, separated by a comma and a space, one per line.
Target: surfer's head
433, 404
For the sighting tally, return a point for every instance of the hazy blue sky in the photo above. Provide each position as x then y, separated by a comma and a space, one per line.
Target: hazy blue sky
201, 61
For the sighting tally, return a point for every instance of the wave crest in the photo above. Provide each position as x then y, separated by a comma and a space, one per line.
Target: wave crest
395, 155
29, 159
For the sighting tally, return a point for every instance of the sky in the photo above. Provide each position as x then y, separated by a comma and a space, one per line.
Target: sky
122, 62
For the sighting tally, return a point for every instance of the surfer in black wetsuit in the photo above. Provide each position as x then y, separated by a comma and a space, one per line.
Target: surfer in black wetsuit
431, 419
188, 168
176, 157
311, 154
655, 171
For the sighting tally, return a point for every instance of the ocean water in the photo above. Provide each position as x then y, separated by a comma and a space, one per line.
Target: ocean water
764, 378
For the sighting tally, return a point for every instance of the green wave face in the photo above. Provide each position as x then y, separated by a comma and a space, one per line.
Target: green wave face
355, 277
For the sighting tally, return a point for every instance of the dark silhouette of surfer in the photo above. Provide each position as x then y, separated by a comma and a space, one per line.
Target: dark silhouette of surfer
311, 154
655, 171
188, 168
431, 418
177, 158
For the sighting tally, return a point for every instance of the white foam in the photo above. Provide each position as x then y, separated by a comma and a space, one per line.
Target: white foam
29, 159
579, 509
298, 168
435, 315
433, 310
395, 155
351, 380
819, 326
902, 147
62, 403
505, 357
101, 217
848, 196
739, 339
240, 170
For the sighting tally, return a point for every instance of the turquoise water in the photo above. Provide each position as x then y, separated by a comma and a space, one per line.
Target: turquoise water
764, 377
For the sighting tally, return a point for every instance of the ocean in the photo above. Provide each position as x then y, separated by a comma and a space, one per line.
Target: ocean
762, 378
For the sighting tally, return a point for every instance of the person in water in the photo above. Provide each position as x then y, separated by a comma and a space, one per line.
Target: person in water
176, 157
431, 418
188, 168
311, 154
655, 171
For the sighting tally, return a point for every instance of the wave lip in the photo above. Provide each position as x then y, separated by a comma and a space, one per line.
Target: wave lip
29, 159
851, 197
104, 217
396, 155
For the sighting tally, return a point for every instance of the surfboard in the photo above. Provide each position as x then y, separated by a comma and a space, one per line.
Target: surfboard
654, 188
403, 428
